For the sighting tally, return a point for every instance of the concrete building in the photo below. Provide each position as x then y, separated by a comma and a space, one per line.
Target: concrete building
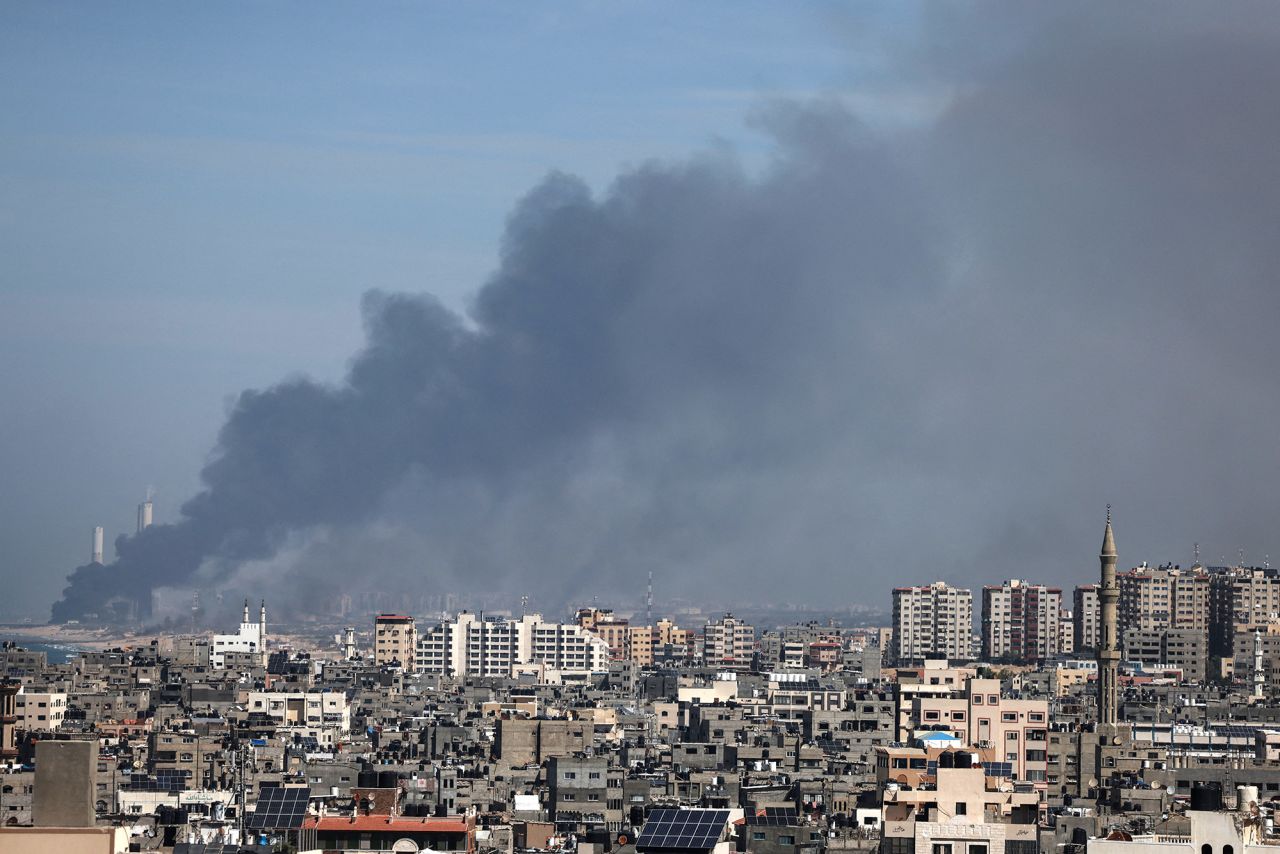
584, 794
1086, 617
1165, 597
613, 630
979, 715
66, 772
250, 639
1240, 598
1183, 649
962, 811
40, 711
932, 622
473, 645
1020, 622
395, 641
324, 715
728, 643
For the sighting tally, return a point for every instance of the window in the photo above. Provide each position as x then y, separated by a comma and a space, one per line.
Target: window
942, 848
977, 848
963, 809
786, 839
757, 835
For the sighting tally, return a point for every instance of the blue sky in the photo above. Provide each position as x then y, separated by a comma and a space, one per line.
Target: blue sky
194, 196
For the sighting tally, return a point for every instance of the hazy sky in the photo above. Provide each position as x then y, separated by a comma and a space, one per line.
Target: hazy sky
957, 277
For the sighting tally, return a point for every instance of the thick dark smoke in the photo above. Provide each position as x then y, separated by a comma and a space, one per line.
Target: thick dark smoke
932, 352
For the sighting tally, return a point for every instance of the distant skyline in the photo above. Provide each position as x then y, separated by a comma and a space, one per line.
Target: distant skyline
832, 295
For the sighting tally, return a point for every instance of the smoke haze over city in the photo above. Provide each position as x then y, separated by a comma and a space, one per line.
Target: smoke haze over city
923, 319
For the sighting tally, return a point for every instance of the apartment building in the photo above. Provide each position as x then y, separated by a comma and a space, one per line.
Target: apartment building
1165, 597
1020, 622
584, 794
935, 621
1086, 618
980, 716
395, 640
309, 709
728, 643
473, 645
40, 711
1240, 598
1067, 633
1184, 649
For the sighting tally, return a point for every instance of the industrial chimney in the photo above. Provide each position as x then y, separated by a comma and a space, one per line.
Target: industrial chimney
144, 514
97, 545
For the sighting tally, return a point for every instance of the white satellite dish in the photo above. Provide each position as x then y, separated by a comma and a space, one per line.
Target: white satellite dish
405, 846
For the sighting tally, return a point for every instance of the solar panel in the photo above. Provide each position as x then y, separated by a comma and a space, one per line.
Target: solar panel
279, 807
698, 829
775, 816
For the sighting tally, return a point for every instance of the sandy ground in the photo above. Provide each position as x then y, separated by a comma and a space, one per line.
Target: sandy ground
73, 635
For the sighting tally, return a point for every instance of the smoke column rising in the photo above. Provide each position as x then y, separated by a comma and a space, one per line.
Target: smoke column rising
930, 350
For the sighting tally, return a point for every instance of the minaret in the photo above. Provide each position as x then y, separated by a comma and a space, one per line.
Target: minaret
262, 627
1108, 649
245, 620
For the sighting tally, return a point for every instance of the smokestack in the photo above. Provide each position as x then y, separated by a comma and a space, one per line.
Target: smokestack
97, 545
144, 515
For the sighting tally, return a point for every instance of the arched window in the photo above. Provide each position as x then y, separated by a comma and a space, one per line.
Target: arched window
1228, 849
1206, 849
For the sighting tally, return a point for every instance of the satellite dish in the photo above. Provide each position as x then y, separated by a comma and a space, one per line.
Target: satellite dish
1170, 790
405, 846
1093, 782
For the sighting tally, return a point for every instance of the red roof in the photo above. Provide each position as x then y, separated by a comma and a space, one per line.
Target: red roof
397, 824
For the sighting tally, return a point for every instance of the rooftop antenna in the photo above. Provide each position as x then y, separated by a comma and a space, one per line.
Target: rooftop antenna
524, 603
1195, 549
1240, 552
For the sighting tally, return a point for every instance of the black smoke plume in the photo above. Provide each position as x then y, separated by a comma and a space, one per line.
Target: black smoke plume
927, 352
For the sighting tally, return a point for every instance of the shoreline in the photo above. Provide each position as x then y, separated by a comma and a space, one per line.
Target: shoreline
84, 638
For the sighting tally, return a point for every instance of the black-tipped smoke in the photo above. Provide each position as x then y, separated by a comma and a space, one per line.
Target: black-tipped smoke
864, 362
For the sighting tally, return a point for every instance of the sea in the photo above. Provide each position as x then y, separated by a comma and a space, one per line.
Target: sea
58, 651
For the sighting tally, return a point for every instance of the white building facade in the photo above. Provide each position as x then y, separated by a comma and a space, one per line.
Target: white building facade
250, 638
471, 645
